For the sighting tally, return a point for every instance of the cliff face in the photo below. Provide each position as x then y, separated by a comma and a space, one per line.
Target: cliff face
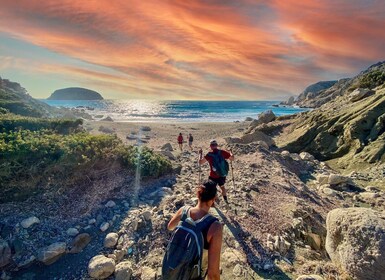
75, 93
14, 99
349, 126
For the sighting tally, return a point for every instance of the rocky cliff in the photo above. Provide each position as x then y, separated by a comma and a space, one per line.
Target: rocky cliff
349, 127
75, 93
15, 99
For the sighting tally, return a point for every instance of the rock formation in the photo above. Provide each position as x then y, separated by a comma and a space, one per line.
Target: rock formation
75, 93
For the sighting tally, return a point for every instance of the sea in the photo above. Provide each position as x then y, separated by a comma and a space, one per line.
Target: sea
174, 111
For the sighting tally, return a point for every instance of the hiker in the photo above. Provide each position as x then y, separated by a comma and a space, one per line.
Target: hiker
183, 258
180, 141
190, 141
219, 167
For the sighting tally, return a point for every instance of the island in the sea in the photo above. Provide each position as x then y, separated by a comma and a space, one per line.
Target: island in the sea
75, 93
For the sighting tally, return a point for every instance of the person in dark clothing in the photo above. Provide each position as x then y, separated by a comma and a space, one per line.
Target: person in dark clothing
190, 141
216, 176
212, 234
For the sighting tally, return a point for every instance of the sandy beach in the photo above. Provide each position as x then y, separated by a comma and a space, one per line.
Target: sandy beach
159, 134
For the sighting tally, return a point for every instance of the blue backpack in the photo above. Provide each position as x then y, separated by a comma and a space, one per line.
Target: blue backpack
183, 257
220, 165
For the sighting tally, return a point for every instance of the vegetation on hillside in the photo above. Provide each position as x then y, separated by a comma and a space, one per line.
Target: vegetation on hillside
37, 152
372, 79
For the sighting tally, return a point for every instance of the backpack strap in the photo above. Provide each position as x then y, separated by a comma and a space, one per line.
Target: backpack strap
206, 221
185, 213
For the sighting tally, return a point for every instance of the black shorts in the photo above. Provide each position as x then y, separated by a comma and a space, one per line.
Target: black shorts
220, 181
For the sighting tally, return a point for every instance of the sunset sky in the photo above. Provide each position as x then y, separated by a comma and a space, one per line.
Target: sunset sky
203, 50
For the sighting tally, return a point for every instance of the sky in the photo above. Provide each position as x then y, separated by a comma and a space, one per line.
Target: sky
188, 50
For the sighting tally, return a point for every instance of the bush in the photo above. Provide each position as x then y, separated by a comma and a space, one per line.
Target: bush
372, 79
39, 155
10, 122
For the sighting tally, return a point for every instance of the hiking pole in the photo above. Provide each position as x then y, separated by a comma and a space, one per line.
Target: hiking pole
232, 170
199, 166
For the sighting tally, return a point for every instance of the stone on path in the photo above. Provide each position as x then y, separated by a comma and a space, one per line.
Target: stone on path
79, 243
72, 231
52, 253
123, 271
111, 240
356, 241
100, 267
27, 223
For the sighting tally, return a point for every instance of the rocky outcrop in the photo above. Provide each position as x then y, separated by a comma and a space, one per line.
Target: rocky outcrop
75, 93
353, 132
356, 241
312, 92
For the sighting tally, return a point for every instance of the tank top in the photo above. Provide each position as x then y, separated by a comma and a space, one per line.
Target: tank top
205, 231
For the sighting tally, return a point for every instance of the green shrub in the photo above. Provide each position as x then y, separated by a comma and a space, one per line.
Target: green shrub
372, 79
9, 122
150, 164
26, 154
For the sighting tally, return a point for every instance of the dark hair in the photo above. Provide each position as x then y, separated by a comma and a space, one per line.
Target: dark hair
207, 191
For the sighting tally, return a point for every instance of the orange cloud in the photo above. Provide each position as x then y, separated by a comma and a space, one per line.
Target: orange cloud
202, 49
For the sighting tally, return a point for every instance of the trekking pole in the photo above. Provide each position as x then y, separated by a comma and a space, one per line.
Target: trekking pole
199, 166
232, 170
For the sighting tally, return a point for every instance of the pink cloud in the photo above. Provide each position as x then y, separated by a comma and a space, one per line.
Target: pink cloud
203, 49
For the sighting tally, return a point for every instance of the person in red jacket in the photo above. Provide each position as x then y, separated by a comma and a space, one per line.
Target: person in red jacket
215, 175
180, 141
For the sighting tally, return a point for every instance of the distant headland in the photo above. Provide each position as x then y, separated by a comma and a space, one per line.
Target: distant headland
75, 93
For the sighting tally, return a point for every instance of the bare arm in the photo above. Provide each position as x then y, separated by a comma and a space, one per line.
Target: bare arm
175, 220
202, 160
215, 242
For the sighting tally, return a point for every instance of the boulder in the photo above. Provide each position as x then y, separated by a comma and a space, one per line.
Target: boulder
322, 179
266, 117
5, 253
27, 223
369, 195
360, 93
79, 243
329, 192
306, 156
167, 147
257, 136
167, 154
285, 153
147, 215
145, 128
233, 140
248, 119
104, 226
111, 240
100, 267
72, 231
356, 241
123, 271
110, 204
52, 253
335, 179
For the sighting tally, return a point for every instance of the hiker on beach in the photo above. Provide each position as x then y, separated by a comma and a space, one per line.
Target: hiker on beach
190, 141
219, 167
182, 259
180, 141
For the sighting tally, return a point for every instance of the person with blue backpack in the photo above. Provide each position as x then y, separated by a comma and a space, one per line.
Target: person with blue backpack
219, 167
197, 237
